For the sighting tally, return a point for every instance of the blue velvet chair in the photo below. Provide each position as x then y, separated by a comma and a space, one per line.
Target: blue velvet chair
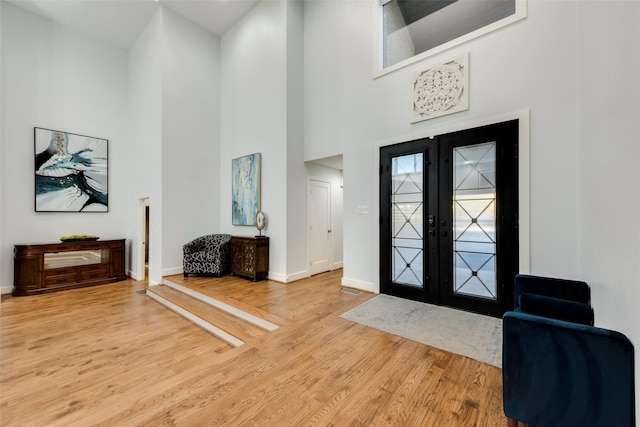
208, 255
557, 368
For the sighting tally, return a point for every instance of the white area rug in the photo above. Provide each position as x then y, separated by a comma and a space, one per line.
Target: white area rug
468, 334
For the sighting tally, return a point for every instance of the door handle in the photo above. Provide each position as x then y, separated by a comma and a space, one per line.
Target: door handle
328, 231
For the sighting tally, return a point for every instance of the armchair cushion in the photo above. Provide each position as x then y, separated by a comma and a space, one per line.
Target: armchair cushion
556, 308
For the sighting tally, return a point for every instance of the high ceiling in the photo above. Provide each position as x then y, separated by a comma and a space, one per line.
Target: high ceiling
119, 22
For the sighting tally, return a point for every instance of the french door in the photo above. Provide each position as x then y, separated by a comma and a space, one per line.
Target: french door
449, 218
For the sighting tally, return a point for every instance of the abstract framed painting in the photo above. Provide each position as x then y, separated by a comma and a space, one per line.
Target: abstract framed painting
71, 172
245, 189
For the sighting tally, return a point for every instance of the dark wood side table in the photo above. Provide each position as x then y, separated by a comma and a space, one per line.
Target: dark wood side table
250, 256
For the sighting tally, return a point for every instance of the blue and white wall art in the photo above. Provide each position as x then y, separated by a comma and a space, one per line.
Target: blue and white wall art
245, 182
70, 172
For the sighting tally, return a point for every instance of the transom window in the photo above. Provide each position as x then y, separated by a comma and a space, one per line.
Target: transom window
410, 30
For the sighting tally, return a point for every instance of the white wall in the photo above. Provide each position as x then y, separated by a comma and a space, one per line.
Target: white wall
262, 82
254, 119
175, 111
297, 266
608, 99
145, 110
56, 78
190, 136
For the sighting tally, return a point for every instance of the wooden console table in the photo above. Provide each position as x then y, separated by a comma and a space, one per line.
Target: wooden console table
47, 267
250, 257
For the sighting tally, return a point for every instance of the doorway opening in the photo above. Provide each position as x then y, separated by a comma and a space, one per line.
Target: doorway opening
324, 228
142, 250
146, 241
449, 218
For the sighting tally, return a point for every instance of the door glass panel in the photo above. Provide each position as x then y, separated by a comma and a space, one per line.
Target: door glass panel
474, 220
407, 219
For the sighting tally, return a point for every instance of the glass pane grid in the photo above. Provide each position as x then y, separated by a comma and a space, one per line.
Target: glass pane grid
407, 204
407, 266
474, 221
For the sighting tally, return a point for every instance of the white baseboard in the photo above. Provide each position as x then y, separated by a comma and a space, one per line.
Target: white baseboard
288, 278
172, 271
134, 276
6, 290
297, 276
358, 284
277, 277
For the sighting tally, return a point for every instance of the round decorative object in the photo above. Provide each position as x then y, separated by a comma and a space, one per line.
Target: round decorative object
261, 220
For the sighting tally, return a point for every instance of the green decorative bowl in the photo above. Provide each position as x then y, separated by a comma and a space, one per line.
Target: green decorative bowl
78, 238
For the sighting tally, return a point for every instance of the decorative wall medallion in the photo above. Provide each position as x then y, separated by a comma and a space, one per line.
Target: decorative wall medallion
442, 89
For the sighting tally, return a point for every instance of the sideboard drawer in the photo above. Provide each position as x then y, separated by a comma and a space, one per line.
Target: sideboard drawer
62, 279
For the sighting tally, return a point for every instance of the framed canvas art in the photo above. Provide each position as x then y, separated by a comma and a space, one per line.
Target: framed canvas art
71, 172
245, 191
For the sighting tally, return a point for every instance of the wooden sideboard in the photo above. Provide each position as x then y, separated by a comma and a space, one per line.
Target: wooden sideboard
47, 267
250, 257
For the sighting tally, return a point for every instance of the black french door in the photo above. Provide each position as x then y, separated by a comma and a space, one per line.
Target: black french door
449, 218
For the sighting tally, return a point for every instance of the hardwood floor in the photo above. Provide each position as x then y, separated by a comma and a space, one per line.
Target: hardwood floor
108, 355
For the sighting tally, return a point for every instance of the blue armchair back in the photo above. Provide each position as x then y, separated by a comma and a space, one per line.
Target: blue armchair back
570, 290
550, 297
560, 373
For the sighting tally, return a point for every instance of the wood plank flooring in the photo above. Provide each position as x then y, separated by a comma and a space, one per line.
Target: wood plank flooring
109, 356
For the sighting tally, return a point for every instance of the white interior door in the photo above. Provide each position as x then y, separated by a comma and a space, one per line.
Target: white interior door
319, 241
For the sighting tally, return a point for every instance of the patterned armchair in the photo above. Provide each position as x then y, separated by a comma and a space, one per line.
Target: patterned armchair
210, 254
